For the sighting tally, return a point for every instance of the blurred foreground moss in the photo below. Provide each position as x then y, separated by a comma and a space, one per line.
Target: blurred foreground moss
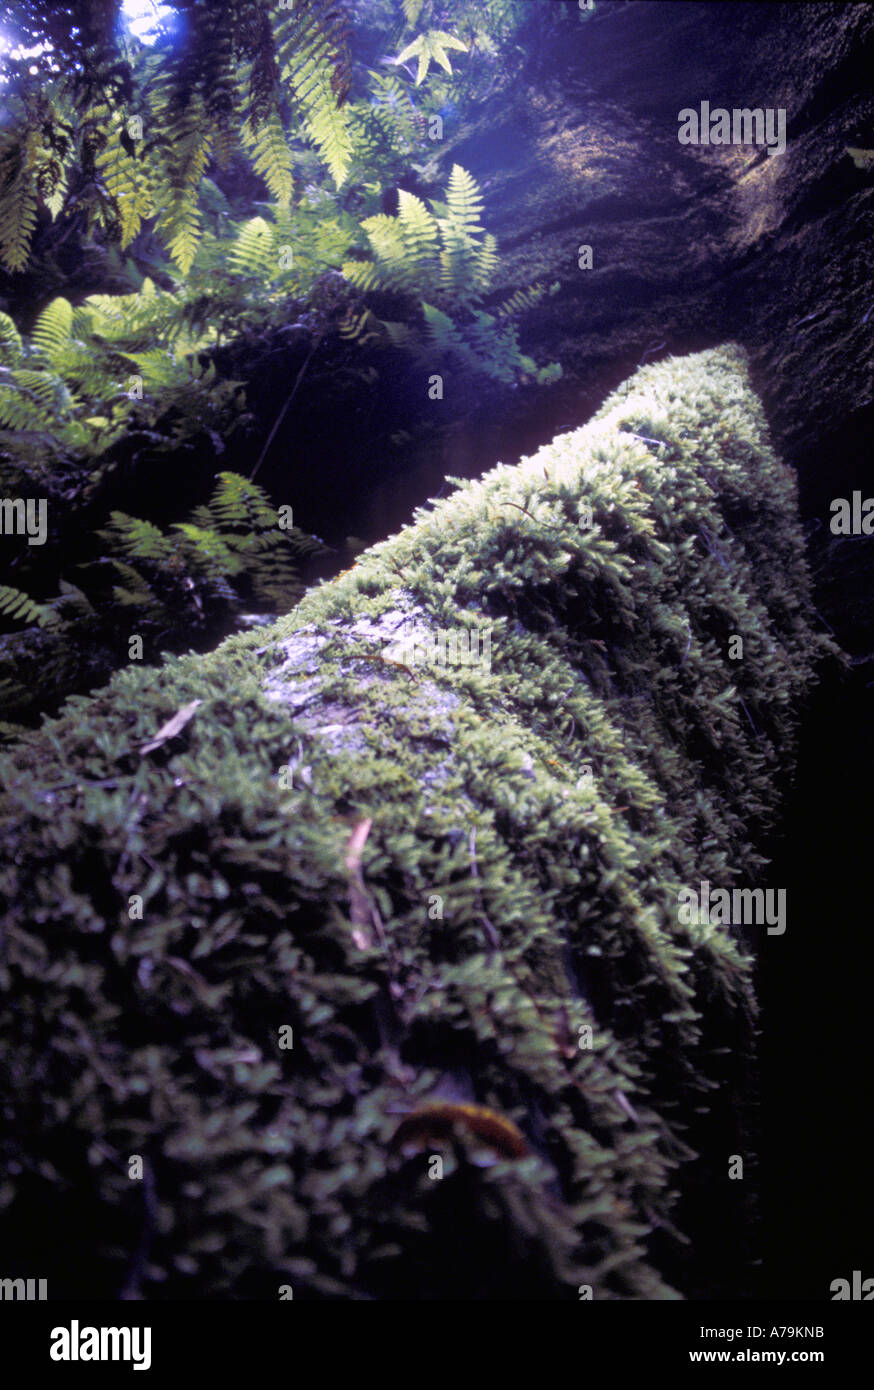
435, 879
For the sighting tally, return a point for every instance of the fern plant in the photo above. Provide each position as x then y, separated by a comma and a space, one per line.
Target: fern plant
442, 254
174, 589
86, 377
124, 133
84, 380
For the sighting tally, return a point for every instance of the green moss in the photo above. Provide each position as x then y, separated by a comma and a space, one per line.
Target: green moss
550, 806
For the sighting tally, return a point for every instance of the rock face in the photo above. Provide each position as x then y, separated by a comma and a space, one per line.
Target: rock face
691, 245
696, 244
370, 970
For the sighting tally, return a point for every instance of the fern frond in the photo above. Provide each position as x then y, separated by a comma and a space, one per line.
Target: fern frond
53, 185
520, 301
442, 333
238, 502
51, 332
465, 263
139, 594
432, 45
211, 553
32, 400
158, 368
400, 335
11, 347
464, 201
137, 539
361, 327
485, 263
313, 57
127, 180
254, 251
190, 143
181, 228
362, 274
419, 233
21, 608
18, 209
271, 156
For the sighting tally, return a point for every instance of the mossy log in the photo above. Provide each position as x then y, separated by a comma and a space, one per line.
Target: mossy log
365, 979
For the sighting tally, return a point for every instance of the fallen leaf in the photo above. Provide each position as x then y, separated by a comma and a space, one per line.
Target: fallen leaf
171, 728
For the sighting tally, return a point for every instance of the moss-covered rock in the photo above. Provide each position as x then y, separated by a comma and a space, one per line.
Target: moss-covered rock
361, 881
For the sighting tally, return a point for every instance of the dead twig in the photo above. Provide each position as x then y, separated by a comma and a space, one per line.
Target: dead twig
552, 525
284, 411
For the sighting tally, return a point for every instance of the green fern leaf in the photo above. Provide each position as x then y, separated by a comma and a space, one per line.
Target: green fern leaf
11, 347
254, 251
181, 228
464, 201
419, 233
442, 332
21, 608
16, 230
127, 180
32, 400
137, 539
209, 551
51, 332
271, 157
311, 58
432, 45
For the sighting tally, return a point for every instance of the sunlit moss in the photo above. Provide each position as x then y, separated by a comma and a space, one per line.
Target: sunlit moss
530, 825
